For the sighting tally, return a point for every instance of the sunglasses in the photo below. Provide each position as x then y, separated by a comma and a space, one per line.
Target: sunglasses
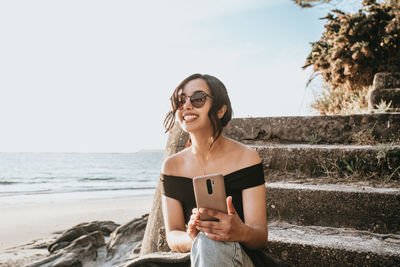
198, 99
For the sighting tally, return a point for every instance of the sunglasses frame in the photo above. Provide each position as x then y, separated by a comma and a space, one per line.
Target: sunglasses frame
180, 104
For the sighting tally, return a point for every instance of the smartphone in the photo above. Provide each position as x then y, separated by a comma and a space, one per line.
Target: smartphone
209, 191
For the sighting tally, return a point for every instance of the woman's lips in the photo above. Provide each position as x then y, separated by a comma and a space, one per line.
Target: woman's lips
190, 117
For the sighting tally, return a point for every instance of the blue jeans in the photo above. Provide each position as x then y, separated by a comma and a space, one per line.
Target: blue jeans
208, 252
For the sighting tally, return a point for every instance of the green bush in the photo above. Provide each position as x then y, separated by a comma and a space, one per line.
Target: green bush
354, 47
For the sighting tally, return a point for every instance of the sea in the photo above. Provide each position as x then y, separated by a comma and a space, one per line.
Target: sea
51, 177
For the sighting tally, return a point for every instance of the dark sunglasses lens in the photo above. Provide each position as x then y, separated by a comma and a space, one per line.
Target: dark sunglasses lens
198, 99
181, 101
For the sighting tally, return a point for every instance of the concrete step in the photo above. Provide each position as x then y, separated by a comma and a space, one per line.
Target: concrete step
327, 246
388, 95
360, 128
386, 80
337, 162
363, 208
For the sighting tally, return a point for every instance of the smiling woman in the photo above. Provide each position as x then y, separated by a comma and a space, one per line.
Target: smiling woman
216, 91
202, 107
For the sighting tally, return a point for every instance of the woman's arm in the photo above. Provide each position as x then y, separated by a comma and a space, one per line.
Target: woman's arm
255, 210
255, 216
177, 237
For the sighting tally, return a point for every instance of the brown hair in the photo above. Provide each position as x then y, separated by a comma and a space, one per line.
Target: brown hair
220, 98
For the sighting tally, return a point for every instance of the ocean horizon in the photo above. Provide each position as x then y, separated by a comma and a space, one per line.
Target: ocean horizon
50, 176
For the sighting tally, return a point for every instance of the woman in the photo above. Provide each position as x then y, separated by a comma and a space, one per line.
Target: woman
202, 107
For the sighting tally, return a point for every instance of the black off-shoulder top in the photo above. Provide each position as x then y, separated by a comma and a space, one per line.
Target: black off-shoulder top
181, 188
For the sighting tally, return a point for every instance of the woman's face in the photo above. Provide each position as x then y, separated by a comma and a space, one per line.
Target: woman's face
189, 117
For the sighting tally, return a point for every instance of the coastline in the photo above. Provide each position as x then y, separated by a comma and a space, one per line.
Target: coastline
32, 223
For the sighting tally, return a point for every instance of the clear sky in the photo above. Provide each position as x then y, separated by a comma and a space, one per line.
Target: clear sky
96, 76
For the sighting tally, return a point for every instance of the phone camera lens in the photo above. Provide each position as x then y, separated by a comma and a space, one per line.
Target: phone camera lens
209, 183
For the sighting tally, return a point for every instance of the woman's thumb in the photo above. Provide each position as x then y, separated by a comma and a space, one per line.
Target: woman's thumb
229, 204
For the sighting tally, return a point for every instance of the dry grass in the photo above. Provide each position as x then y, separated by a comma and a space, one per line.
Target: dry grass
364, 137
340, 101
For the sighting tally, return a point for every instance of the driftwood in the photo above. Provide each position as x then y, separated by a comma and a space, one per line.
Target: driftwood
85, 244
153, 241
126, 239
79, 230
80, 250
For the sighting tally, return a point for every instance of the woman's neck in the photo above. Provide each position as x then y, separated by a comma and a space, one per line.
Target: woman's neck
204, 146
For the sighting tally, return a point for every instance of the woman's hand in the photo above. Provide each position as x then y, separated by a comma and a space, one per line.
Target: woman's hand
192, 231
229, 228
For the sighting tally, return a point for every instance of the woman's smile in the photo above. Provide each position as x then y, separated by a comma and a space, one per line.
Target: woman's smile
190, 117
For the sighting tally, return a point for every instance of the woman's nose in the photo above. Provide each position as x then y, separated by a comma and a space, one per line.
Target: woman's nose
187, 103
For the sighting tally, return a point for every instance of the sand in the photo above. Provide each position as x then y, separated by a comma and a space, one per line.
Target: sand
24, 223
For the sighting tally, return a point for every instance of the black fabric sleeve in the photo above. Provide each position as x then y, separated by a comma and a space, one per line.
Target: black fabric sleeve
179, 188
248, 177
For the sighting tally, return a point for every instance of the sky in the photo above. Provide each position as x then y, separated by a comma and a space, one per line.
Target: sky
96, 76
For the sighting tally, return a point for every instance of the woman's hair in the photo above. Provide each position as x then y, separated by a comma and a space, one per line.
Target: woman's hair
220, 98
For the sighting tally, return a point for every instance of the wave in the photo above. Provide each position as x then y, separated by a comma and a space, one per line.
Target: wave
75, 190
23, 182
114, 189
98, 179
8, 182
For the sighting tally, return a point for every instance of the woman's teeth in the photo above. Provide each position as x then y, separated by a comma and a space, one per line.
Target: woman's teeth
189, 117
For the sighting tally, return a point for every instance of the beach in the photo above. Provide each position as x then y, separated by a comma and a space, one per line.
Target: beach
45, 194
23, 223
26, 224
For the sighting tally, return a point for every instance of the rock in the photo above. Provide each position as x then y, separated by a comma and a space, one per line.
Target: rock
105, 227
161, 259
136, 249
27, 253
79, 251
84, 244
162, 245
391, 96
125, 238
82, 249
386, 87
385, 80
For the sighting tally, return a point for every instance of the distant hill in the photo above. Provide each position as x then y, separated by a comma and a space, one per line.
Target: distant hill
151, 151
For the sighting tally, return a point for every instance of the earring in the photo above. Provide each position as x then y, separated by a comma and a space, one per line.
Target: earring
211, 140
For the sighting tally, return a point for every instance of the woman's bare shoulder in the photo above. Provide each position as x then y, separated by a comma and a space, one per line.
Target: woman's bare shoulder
173, 163
246, 155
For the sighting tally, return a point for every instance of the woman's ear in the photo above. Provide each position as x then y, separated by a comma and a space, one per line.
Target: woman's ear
221, 111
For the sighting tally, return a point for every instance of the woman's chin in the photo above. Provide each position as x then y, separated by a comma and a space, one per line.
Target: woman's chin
187, 127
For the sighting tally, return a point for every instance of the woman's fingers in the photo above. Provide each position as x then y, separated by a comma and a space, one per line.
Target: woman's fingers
216, 237
209, 230
191, 227
193, 221
216, 234
194, 217
210, 225
213, 213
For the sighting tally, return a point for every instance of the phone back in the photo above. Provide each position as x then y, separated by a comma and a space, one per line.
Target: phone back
209, 191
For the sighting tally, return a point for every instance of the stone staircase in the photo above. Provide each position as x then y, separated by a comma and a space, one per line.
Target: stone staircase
333, 187
333, 190
386, 87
